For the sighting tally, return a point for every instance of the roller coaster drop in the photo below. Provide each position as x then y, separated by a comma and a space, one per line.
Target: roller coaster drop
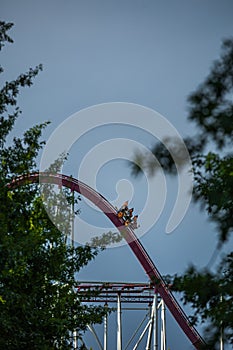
130, 237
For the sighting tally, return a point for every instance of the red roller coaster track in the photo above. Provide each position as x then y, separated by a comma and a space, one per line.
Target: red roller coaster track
128, 234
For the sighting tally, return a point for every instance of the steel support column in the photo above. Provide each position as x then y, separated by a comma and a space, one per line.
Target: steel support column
151, 326
106, 329
163, 326
155, 323
119, 326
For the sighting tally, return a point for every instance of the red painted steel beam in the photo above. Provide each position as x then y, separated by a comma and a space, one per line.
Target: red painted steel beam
130, 237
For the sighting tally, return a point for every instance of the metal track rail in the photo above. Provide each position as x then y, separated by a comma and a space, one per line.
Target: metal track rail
130, 237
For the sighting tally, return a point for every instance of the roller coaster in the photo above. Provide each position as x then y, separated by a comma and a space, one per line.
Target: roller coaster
128, 234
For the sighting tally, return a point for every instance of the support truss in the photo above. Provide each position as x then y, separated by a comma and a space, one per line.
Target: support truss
128, 297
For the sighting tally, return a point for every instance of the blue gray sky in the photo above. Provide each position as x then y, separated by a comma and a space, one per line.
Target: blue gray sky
149, 52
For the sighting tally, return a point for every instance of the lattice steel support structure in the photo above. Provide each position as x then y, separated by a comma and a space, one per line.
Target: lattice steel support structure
128, 293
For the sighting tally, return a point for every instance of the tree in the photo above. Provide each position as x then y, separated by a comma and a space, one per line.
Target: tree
39, 305
211, 109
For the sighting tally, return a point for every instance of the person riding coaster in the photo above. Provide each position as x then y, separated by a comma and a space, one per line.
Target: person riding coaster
123, 209
134, 223
127, 215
